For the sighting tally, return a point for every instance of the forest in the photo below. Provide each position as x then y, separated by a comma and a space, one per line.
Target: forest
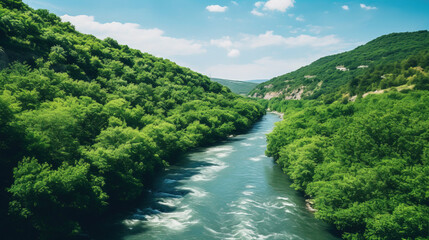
86, 124
322, 80
363, 163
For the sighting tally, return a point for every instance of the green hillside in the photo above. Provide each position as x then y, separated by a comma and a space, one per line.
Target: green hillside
86, 123
323, 78
360, 153
239, 87
364, 165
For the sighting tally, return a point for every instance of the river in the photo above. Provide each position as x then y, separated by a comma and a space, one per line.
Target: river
228, 191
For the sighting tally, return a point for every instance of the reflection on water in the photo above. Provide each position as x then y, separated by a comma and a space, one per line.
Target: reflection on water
229, 191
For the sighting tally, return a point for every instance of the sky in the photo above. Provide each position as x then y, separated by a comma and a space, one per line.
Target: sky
241, 39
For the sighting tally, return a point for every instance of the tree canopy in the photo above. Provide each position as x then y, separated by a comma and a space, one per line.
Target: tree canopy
365, 164
86, 123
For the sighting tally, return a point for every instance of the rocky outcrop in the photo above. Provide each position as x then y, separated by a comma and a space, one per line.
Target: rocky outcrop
374, 92
309, 203
270, 95
309, 76
296, 94
341, 68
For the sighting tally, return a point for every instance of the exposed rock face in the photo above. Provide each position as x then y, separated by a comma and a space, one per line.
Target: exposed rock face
309, 203
374, 92
353, 98
270, 95
309, 76
269, 86
341, 68
255, 95
295, 94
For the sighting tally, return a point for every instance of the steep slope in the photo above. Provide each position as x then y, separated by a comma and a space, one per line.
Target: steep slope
361, 154
326, 75
239, 87
85, 123
363, 164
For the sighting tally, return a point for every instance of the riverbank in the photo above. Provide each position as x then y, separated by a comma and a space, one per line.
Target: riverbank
277, 113
230, 190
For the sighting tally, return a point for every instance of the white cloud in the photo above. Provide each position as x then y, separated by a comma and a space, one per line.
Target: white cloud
216, 8
300, 19
259, 4
272, 5
224, 42
363, 6
317, 29
147, 40
345, 7
270, 39
278, 5
263, 68
234, 53
269, 67
235, 3
257, 13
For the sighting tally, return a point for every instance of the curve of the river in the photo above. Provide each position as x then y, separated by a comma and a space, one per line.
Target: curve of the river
228, 191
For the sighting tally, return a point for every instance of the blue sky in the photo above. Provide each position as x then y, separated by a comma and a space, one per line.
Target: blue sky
241, 39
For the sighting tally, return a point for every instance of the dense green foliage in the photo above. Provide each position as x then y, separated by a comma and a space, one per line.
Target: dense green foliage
86, 123
360, 150
239, 87
365, 163
366, 64
412, 71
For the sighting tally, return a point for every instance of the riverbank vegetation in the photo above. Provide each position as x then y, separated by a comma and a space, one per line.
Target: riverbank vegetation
86, 123
364, 162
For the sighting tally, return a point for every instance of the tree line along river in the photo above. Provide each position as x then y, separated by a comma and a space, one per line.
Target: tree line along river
227, 191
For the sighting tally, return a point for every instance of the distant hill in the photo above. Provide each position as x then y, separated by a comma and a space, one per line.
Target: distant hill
257, 80
328, 77
239, 87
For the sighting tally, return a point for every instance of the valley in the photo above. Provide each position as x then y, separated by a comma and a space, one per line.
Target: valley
101, 139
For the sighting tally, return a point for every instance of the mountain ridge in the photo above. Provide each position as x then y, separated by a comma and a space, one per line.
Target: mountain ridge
236, 86
330, 73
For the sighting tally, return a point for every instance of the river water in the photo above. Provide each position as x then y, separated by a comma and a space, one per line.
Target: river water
228, 191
